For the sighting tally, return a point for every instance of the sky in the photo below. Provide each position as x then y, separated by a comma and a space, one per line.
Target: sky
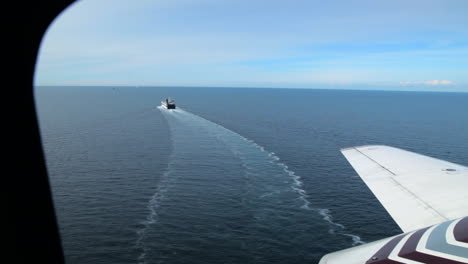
418, 45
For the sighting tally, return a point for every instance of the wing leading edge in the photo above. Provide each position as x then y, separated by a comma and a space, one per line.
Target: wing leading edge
416, 190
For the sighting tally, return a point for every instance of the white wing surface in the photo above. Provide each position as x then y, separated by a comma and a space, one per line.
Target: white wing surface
416, 190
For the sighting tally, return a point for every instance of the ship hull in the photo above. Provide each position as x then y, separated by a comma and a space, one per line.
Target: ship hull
168, 106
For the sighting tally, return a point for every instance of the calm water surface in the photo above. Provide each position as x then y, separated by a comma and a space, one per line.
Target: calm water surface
233, 175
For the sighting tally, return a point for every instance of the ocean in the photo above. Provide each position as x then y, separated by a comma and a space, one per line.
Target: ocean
234, 175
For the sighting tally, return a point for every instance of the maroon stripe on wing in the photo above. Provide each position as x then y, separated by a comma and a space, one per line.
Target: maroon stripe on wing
412, 242
460, 232
381, 257
409, 251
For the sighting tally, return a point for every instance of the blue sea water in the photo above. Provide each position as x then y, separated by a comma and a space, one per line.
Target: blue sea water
234, 175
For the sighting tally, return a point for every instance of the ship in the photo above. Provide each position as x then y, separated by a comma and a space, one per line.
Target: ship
168, 103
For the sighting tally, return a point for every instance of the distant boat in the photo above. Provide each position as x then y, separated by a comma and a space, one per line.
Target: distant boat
168, 104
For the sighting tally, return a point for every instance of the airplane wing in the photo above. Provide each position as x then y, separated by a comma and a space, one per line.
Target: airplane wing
427, 198
416, 190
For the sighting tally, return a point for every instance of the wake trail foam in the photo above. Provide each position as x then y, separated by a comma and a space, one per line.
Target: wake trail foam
339, 228
151, 218
153, 205
225, 135
335, 228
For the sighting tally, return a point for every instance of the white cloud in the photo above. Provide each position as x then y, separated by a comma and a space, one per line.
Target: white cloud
431, 82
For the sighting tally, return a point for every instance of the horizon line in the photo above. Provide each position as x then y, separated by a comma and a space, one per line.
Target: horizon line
251, 87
